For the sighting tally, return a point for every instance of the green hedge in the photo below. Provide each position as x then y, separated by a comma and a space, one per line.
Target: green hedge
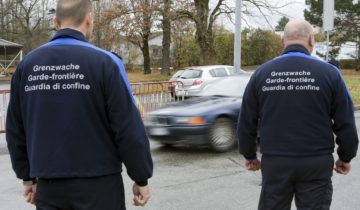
347, 64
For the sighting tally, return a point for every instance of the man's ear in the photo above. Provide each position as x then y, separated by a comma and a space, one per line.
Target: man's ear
283, 42
56, 23
311, 41
89, 20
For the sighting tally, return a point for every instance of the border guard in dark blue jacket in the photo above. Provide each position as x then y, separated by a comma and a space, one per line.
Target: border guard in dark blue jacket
297, 103
72, 121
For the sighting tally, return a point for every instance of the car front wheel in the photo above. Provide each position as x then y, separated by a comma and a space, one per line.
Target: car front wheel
222, 135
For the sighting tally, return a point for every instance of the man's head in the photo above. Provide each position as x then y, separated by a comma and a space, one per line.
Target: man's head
299, 32
75, 14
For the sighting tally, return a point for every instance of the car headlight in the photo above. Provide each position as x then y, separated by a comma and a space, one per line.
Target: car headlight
190, 120
181, 120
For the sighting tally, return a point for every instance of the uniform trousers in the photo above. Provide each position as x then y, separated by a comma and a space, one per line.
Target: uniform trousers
308, 179
97, 193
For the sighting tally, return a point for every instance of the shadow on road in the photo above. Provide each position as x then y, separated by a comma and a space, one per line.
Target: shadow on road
186, 149
180, 154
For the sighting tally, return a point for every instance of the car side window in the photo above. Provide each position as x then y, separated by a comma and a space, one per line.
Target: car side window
219, 72
212, 73
232, 70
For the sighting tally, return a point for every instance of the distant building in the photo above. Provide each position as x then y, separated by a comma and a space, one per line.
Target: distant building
348, 51
132, 54
10, 54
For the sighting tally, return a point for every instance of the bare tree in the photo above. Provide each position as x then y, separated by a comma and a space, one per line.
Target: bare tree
104, 35
199, 12
204, 19
6, 6
28, 23
134, 20
2, 15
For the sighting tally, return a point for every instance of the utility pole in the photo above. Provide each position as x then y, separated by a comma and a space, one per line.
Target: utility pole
237, 44
328, 20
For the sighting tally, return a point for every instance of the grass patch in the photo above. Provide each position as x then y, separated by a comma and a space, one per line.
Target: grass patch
138, 76
353, 84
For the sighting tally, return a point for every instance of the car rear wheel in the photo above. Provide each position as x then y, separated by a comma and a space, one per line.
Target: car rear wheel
222, 135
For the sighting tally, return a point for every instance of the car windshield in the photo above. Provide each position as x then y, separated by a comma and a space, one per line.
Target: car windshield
233, 86
191, 74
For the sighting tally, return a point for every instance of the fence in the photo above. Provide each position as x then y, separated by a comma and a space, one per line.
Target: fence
4, 101
153, 95
148, 96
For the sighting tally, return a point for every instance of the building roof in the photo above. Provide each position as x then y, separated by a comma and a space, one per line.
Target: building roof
9, 48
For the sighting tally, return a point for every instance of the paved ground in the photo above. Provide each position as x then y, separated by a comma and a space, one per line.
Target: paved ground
194, 179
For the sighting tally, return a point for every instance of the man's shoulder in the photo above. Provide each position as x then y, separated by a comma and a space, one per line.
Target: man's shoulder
265, 67
288, 60
117, 55
282, 63
326, 67
83, 49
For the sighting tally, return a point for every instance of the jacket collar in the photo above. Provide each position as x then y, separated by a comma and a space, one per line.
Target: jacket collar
296, 48
69, 33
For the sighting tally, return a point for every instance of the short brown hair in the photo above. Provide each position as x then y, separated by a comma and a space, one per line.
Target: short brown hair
73, 10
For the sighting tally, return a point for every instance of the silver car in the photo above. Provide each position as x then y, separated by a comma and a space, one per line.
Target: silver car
194, 79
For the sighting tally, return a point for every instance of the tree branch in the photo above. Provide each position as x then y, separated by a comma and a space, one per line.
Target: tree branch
186, 14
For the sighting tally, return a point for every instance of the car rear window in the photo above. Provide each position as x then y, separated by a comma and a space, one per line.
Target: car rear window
191, 73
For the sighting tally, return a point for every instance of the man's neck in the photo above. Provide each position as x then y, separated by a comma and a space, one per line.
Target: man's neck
74, 28
299, 42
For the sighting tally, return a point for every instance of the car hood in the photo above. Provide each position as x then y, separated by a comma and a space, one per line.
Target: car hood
196, 106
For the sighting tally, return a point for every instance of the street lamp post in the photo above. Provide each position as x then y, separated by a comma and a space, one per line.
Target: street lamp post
237, 44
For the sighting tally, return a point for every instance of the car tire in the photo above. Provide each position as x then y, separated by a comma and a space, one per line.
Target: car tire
222, 135
166, 144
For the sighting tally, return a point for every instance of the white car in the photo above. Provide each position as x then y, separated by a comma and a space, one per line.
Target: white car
194, 79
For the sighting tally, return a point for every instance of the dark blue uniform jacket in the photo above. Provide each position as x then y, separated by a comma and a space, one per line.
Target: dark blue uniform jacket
297, 102
72, 114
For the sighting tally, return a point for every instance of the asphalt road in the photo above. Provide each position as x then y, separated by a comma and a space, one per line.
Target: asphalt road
195, 179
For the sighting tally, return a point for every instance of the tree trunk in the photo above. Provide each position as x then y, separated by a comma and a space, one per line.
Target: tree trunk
146, 55
206, 44
357, 61
166, 25
2, 18
145, 38
204, 33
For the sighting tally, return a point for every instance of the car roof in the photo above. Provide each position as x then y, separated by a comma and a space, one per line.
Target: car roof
207, 67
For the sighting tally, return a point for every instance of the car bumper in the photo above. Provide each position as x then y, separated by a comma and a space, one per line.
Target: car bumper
192, 135
188, 92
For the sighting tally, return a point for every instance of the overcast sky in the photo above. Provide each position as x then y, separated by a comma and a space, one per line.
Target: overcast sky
294, 9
